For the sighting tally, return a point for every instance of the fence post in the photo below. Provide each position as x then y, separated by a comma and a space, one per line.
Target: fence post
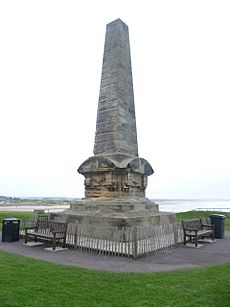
134, 239
175, 231
75, 235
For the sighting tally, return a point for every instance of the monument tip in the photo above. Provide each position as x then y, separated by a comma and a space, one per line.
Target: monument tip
116, 22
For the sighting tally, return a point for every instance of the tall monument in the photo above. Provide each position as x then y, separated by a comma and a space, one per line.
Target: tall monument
115, 176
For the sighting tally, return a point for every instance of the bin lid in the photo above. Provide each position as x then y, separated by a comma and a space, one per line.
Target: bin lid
218, 216
11, 219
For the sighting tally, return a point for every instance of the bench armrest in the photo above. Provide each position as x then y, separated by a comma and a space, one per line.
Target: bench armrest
208, 225
30, 227
58, 231
191, 229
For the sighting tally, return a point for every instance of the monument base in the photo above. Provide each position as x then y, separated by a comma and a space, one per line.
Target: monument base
117, 212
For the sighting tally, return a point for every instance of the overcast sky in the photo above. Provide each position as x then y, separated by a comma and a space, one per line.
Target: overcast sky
50, 68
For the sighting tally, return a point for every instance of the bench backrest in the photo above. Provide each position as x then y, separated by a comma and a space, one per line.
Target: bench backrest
206, 220
194, 223
45, 226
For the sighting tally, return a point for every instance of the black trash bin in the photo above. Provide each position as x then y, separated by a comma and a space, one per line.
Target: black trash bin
218, 221
10, 230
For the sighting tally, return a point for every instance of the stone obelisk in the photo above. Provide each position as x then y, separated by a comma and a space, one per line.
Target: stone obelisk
115, 176
116, 123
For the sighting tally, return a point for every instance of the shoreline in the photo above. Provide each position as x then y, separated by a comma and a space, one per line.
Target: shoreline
32, 208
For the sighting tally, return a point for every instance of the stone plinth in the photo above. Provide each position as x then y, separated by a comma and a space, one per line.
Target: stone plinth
117, 212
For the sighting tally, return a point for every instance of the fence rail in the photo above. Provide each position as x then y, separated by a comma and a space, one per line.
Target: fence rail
213, 209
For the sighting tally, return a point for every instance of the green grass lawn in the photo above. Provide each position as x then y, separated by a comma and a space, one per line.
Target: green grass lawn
28, 282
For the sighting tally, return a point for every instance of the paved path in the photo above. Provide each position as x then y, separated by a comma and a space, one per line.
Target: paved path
175, 259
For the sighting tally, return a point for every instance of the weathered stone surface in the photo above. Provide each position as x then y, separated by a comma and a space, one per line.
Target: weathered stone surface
108, 220
107, 177
116, 205
116, 123
118, 212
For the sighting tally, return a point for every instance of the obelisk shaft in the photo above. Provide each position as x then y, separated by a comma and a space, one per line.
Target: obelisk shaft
116, 121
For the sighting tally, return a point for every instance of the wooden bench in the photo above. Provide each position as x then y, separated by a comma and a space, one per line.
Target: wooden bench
47, 230
195, 229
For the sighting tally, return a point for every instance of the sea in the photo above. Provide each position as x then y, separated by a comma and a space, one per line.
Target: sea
183, 205
168, 205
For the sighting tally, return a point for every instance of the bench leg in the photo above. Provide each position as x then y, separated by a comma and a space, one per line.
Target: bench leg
54, 243
184, 239
196, 241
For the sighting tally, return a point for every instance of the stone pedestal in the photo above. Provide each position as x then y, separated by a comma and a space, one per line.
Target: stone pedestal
117, 212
